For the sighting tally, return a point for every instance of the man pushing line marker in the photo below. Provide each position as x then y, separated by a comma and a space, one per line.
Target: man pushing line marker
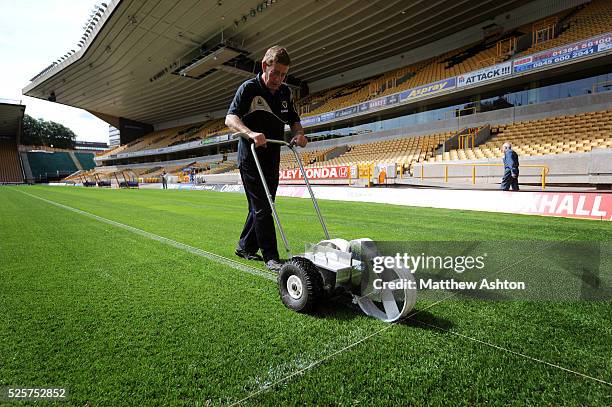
260, 109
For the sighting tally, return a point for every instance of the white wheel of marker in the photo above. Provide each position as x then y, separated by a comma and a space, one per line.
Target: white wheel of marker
294, 287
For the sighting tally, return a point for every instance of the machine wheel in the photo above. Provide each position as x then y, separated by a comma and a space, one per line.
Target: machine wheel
300, 285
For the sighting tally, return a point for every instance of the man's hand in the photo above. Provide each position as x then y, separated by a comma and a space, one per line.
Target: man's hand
514, 175
258, 138
299, 140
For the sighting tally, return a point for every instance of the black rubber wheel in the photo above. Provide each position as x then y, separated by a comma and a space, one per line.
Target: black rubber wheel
300, 285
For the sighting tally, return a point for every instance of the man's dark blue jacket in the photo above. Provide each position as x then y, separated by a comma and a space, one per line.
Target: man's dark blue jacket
511, 162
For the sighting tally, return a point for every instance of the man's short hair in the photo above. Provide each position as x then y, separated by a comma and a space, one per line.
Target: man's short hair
277, 54
507, 144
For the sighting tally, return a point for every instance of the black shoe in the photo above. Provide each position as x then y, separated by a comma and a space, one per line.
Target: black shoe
274, 265
246, 255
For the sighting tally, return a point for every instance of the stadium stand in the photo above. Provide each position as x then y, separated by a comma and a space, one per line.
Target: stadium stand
50, 165
149, 141
148, 171
403, 151
10, 168
449, 64
444, 66
592, 19
201, 131
152, 175
172, 136
307, 157
571, 25
11, 125
86, 160
114, 150
220, 168
337, 98
556, 135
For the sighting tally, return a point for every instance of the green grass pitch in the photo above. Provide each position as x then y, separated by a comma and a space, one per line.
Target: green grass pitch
120, 319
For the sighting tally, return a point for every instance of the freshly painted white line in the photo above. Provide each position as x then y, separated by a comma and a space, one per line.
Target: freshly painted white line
182, 246
331, 355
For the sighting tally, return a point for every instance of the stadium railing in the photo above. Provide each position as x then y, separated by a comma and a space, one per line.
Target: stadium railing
544, 170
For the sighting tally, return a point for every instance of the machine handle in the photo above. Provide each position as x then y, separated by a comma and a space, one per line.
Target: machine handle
273, 141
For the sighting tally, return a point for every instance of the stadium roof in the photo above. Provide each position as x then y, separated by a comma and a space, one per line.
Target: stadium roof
126, 63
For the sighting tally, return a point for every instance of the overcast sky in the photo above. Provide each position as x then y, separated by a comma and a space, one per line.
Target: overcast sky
33, 34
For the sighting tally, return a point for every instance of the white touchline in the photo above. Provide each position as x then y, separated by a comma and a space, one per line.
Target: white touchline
182, 246
331, 355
